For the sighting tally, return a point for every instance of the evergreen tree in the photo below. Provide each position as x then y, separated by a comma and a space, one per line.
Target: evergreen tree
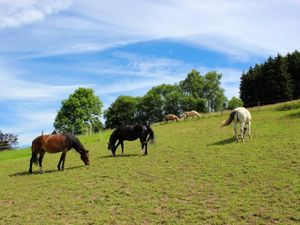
293, 62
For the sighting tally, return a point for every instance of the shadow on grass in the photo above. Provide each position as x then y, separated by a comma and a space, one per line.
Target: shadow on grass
24, 173
224, 142
292, 116
125, 155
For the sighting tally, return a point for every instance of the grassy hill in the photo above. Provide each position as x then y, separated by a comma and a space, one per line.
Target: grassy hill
194, 174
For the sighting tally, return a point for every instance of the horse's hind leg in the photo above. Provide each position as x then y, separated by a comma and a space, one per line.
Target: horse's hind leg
235, 132
249, 129
143, 141
32, 160
41, 161
242, 131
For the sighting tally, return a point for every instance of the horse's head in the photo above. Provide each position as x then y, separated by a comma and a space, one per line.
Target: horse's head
85, 157
110, 146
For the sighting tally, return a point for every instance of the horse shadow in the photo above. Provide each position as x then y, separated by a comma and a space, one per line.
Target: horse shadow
25, 173
224, 142
121, 156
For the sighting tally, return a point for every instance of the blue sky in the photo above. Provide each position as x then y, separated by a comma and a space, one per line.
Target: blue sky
49, 48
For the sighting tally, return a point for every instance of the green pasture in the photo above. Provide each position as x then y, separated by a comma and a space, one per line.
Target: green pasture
194, 174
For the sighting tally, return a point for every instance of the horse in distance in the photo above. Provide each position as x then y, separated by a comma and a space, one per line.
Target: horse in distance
239, 115
192, 114
130, 133
171, 117
53, 144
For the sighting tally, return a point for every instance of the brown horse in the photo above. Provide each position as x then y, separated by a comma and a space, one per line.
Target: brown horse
171, 117
54, 144
187, 114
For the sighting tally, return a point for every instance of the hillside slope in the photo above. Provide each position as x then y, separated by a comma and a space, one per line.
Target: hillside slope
194, 174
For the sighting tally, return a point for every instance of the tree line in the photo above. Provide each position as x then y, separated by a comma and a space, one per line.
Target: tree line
276, 80
81, 112
201, 93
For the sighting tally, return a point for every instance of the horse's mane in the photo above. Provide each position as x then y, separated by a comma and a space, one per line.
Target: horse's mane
113, 135
74, 142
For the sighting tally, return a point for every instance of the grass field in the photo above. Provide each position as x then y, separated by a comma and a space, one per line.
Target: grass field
194, 174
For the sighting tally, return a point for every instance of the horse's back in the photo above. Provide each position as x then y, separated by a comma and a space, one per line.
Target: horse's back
49, 143
171, 117
244, 113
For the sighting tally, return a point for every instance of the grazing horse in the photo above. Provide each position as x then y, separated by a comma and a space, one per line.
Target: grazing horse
171, 117
53, 144
187, 114
239, 115
130, 133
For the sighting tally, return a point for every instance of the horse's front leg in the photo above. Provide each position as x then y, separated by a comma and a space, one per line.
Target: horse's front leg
41, 161
62, 157
114, 149
146, 148
122, 146
63, 162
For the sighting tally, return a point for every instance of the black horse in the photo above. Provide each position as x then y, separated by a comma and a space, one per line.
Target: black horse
130, 133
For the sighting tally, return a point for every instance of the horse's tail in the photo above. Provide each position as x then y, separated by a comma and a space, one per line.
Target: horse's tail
229, 120
34, 155
151, 134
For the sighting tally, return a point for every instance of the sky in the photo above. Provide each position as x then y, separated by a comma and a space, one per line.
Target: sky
48, 48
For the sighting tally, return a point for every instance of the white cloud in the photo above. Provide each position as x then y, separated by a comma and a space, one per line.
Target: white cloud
15, 88
239, 28
233, 27
16, 13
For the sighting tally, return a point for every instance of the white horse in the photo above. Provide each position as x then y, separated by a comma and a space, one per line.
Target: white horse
239, 115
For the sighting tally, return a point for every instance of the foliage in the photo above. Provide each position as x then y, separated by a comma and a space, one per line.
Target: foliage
276, 80
193, 85
80, 112
195, 92
150, 108
121, 112
8, 141
194, 174
189, 103
234, 102
213, 91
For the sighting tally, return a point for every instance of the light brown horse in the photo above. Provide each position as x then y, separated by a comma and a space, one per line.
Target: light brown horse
54, 144
192, 113
171, 117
